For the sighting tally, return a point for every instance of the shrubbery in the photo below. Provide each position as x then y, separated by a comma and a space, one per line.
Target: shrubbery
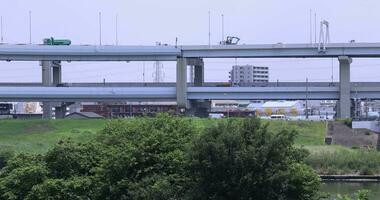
240, 159
345, 161
166, 158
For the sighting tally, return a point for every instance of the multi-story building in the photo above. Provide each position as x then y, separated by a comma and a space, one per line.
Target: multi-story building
247, 74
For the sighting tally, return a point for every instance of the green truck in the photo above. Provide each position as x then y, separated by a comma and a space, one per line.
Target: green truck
52, 41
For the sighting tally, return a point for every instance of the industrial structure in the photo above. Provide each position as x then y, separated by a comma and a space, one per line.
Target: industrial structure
193, 99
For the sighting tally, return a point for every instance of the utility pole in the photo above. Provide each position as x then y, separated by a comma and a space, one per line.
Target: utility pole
30, 27
100, 28
209, 28
143, 72
307, 98
1, 27
116, 31
311, 27
222, 27
315, 28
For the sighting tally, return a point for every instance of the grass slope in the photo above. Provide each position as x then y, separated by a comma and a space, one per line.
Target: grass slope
310, 133
36, 136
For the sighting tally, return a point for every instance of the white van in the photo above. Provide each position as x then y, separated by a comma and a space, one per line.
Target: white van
278, 117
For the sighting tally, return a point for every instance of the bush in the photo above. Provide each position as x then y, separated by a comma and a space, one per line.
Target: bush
133, 159
360, 195
4, 157
242, 160
345, 161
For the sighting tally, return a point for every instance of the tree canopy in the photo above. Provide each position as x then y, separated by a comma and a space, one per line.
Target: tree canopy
166, 158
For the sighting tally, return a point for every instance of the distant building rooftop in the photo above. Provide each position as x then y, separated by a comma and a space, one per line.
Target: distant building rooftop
84, 115
279, 104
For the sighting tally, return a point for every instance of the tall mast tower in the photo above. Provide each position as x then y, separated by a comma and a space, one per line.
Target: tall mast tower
158, 74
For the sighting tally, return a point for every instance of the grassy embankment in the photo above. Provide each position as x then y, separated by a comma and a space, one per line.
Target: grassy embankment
37, 136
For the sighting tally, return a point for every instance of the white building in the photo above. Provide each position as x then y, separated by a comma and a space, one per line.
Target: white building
246, 74
278, 107
27, 108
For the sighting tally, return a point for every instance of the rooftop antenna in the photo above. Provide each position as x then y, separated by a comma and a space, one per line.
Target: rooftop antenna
1, 27
209, 28
222, 27
311, 27
100, 28
116, 30
30, 27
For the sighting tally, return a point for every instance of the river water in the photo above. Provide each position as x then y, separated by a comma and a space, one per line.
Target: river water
349, 188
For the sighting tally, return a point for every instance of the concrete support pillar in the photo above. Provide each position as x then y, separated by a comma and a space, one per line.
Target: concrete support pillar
47, 80
199, 75
344, 106
47, 73
60, 112
57, 72
182, 102
199, 108
51, 76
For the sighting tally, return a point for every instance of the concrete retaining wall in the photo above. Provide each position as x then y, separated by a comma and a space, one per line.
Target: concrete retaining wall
371, 125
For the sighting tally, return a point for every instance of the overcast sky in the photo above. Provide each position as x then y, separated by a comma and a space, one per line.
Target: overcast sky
143, 22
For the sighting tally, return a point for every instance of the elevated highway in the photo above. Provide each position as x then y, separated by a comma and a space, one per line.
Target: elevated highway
27, 52
205, 84
92, 94
193, 55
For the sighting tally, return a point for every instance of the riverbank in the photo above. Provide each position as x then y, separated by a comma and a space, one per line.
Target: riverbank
349, 188
350, 178
338, 160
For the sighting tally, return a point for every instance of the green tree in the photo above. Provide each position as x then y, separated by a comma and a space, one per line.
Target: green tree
20, 175
142, 158
165, 158
238, 159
